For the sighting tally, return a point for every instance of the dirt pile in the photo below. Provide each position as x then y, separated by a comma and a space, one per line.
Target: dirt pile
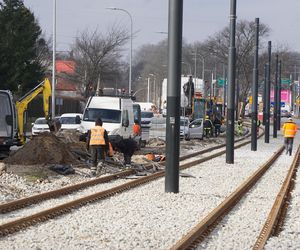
45, 148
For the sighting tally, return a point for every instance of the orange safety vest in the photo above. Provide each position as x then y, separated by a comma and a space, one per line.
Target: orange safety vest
97, 136
136, 129
289, 129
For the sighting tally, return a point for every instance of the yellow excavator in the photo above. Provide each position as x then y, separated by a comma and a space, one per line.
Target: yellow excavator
21, 106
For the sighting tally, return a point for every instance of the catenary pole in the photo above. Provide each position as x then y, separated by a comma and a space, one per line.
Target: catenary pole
231, 87
255, 90
264, 94
224, 90
268, 85
275, 108
173, 95
279, 96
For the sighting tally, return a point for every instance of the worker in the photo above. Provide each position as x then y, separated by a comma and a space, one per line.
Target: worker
126, 146
217, 124
97, 141
208, 127
240, 127
136, 128
289, 131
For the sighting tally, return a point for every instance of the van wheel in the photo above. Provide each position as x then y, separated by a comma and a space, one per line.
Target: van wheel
187, 137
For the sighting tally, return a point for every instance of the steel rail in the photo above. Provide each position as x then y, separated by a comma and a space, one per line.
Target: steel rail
18, 224
34, 199
273, 221
203, 229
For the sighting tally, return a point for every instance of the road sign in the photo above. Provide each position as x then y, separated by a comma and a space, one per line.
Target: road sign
221, 81
285, 81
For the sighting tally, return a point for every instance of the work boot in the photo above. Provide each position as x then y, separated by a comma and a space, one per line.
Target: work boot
93, 171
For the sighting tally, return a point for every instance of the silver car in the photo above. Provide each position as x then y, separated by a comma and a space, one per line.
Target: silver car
196, 129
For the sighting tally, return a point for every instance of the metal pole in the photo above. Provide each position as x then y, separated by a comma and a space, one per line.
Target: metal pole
148, 96
173, 95
279, 97
255, 90
225, 87
275, 108
131, 37
264, 94
267, 126
195, 72
53, 61
130, 58
231, 87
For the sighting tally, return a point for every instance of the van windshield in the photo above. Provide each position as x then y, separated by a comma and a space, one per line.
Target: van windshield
106, 115
147, 114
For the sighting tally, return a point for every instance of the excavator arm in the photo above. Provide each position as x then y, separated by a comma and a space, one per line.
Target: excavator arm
22, 104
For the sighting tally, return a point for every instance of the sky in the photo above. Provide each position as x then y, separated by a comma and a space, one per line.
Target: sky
201, 19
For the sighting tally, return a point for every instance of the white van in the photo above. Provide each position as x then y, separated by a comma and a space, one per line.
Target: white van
116, 114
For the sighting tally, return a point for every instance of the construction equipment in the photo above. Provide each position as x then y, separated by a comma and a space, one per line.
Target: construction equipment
22, 104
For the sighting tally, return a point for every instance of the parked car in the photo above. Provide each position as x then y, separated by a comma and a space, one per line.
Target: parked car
70, 121
196, 129
184, 127
285, 113
39, 126
146, 117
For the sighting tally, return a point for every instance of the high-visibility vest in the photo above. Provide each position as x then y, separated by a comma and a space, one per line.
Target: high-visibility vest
136, 129
289, 129
97, 136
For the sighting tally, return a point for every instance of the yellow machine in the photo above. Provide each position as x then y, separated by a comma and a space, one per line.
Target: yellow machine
21, 105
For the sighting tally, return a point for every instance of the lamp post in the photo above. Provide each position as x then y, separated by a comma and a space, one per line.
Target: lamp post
190, 68
130, 57
53, 61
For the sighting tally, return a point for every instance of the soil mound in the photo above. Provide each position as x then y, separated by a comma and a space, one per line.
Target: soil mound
45, 148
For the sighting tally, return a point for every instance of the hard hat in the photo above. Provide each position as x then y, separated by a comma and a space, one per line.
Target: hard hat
207, 117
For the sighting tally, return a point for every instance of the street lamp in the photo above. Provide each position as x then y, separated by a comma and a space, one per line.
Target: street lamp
190, 68
53, 61
154, 87
130, 57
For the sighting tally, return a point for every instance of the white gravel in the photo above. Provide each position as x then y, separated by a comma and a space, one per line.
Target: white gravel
147, 217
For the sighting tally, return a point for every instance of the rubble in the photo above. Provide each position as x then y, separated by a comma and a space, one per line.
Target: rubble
45, 149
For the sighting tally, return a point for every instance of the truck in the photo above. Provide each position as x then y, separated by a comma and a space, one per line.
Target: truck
116, 113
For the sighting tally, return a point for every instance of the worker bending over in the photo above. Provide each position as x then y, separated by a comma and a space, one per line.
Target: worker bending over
97, 141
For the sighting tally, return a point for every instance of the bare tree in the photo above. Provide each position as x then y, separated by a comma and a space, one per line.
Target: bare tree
219, 44
98, 56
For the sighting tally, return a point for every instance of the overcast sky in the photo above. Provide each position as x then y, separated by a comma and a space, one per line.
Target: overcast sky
202, 18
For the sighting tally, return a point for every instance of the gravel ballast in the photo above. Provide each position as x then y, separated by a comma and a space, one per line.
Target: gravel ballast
148, 218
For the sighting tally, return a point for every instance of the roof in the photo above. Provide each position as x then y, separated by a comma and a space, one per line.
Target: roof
64, 66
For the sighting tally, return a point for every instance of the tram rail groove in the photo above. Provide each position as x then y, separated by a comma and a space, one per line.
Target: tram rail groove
34, 199
274, 220
205, 226
18, 224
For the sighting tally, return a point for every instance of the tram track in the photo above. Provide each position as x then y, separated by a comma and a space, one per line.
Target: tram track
35, 199
204, 228
16, 225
